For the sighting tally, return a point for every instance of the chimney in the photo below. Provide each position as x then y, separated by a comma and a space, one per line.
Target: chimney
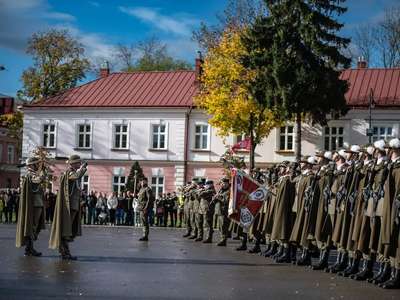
198, 67
104, 69
361, 63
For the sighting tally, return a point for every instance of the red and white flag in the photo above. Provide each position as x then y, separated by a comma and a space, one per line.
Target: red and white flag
242, 145
246, 198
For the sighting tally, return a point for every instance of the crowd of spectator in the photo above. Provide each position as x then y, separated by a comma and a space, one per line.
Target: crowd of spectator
100, 208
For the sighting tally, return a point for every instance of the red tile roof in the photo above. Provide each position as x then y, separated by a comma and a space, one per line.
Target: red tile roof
177, 88
137, 89
385, 84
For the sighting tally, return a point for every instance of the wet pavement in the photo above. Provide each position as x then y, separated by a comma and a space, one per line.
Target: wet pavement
112, 264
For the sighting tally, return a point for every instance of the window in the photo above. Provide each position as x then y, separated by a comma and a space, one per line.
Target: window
382, 133
84, 136
121, 136
286, 138
333, 138
119, 184
85, 183
157, 185
10, 154
201, 137
49, 135
159, 136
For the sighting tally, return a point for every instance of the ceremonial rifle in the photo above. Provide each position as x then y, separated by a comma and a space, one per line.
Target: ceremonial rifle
342, 192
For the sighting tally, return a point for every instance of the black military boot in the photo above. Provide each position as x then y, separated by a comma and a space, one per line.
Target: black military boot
342, 264
199, 239
377, 275
187, 235
305, 259
222, 243
385, 276
65, 253
144, 239
365, 272
208, 240
285, 257
243, 246
338, 259
393, 282
278, 253
268, 246
323, 261
256, 248
34, 252
272, 250
193, 237
352, 267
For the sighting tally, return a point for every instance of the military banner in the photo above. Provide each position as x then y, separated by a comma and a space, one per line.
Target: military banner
246, 198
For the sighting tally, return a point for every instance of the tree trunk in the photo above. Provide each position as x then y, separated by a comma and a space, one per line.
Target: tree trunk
298, 136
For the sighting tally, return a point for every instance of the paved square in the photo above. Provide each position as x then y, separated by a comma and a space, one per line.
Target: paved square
112, 264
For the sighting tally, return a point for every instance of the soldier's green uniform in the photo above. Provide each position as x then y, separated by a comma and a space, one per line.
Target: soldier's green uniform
31, 208
67, 216
206, 210
145, 204
186, 209
196, 211
221, 210
193, 209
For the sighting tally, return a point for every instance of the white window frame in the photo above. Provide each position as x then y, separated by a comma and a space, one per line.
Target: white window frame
10, 154
202, 134
119, 184
85, 134
330, 135
385, 136
156, 186
166, 134
286, 135
48, 132
114, 136
85, 183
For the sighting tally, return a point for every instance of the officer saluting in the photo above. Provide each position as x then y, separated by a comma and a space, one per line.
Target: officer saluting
31, 208
67, 215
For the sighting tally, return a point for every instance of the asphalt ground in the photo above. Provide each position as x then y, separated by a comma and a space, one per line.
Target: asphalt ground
113, 264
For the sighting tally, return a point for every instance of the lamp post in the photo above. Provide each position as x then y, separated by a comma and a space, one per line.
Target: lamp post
371, 105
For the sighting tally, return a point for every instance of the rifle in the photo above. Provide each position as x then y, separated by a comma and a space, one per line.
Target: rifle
327, 192
368, 188
354, 193
380, 193
310, 190
342, 192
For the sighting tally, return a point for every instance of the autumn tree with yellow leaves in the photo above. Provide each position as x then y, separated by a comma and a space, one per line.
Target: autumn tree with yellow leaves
225, 93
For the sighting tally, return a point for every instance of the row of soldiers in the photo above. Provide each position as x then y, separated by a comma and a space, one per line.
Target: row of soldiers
348, 200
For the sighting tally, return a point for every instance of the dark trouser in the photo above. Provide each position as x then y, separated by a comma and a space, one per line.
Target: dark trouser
129, 217
166, 213
172, 217
92, 215
112, 216
180, 217
65, 240
144, 217
9, 213
37, 215
223, 223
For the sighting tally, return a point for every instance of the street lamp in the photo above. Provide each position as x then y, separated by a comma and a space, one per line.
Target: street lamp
371, 105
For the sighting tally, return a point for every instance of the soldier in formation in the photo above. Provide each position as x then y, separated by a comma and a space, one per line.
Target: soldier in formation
347, 200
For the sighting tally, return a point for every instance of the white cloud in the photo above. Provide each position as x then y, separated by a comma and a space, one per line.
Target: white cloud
94, 3
178, 24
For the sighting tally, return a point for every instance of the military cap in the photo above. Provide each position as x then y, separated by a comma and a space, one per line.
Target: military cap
355, 149
394, 143
74, 158
195, 180
203, 181
284, 164
380, 145
209, 182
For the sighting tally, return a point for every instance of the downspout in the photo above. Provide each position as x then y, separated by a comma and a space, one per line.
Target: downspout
186, 144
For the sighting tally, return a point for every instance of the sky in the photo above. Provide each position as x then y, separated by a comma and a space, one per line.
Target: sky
100, 25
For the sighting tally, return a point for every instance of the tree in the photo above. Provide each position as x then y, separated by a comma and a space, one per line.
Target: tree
387, 37
58, 61
364, 39
148, 55
225, 94
137, 171
14, 123
298, 41
237, 14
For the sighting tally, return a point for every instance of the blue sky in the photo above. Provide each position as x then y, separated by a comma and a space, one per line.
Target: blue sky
102, 24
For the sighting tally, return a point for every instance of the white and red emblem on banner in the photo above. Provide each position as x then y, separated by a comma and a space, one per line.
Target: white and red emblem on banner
246, 199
